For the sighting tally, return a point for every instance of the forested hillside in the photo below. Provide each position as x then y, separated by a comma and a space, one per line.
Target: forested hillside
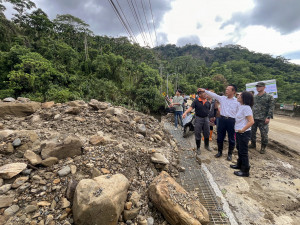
63, 60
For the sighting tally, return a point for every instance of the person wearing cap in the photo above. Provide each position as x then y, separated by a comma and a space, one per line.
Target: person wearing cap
228, 109
177, 103
202, 111
262, 113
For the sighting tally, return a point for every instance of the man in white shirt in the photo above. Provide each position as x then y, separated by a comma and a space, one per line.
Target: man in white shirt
229, 107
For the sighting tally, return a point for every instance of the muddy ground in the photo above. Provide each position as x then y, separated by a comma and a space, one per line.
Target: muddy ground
271, 195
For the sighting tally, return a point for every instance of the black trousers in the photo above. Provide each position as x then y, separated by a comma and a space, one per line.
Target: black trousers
223, 126
242, 141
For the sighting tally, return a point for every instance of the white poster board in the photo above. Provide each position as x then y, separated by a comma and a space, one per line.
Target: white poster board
271, 87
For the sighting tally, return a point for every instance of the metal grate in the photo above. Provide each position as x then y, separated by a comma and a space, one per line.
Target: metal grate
194, 178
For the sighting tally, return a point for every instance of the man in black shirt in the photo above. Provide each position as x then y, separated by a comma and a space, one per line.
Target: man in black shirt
202, 109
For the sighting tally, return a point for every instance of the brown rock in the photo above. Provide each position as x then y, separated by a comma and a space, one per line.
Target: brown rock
105, 171
73, 110
49, 161
43, 203
6, 148
100, 200
77, 103
33, 158
5, 201
97, 140
18, 109
19, 181
69, 147
131, 214
177, 206
48, 105
128, 205
80, 119
10, 170
98, 105
135, 198
65, 203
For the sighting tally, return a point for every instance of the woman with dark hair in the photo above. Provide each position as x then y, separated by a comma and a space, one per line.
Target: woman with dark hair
243, 122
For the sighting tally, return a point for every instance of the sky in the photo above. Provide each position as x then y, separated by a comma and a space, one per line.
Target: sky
264, 26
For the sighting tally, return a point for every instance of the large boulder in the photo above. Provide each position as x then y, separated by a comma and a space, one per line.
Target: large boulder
18, 109
67, 147
175, 203
10, 170
95, 104
100, 200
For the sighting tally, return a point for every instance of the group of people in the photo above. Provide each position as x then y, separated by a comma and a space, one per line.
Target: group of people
239, 118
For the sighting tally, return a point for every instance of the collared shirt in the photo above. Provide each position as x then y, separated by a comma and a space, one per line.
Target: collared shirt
241, 117
201, 107
229, 106
178, 99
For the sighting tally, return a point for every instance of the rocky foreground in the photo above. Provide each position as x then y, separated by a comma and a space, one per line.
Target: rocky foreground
89, 163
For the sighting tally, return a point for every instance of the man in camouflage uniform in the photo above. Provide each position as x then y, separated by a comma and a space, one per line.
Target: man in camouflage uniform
262, 113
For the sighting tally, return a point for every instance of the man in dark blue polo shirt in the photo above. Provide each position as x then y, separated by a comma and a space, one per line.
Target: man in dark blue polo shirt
202, 109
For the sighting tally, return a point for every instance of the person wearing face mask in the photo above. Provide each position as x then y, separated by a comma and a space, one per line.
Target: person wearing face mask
243, 122
228, 110
202, 110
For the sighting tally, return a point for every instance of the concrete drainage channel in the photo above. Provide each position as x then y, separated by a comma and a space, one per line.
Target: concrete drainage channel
198, 178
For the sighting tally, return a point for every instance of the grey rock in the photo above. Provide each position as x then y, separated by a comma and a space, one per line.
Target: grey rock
9, 99
159, 158
31, 208
5, 188
11, 210
64, 171
141, 128
16, 142
150, 221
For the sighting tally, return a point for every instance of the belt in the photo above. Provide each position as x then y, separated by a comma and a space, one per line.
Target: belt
201, 116
227, 118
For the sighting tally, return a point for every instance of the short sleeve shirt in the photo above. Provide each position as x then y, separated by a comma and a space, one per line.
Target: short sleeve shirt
200, 109
241, 117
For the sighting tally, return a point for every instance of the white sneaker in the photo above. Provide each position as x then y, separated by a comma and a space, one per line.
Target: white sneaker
175, 128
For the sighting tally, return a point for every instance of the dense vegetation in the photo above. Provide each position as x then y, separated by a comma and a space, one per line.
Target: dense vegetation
63, 60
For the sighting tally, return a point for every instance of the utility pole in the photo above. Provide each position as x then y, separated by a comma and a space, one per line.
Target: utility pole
167, 85
160, 69
86, 48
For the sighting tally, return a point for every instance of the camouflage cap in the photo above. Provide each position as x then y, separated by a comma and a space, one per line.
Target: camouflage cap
260, 84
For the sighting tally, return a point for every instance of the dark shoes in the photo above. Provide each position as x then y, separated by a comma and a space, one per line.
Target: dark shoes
208, 148
198, 151
229, 157
241, 173
218, 155
235, 166
244, 172
206, 144
263, 149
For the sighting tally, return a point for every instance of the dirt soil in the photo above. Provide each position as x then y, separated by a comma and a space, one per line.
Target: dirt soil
271, 195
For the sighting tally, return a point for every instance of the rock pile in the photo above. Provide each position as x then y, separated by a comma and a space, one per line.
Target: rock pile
81, 163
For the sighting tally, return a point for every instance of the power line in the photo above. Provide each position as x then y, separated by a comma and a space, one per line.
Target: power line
147, 23
140, 18
132, 8
121, 19
153, 21
127, 22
